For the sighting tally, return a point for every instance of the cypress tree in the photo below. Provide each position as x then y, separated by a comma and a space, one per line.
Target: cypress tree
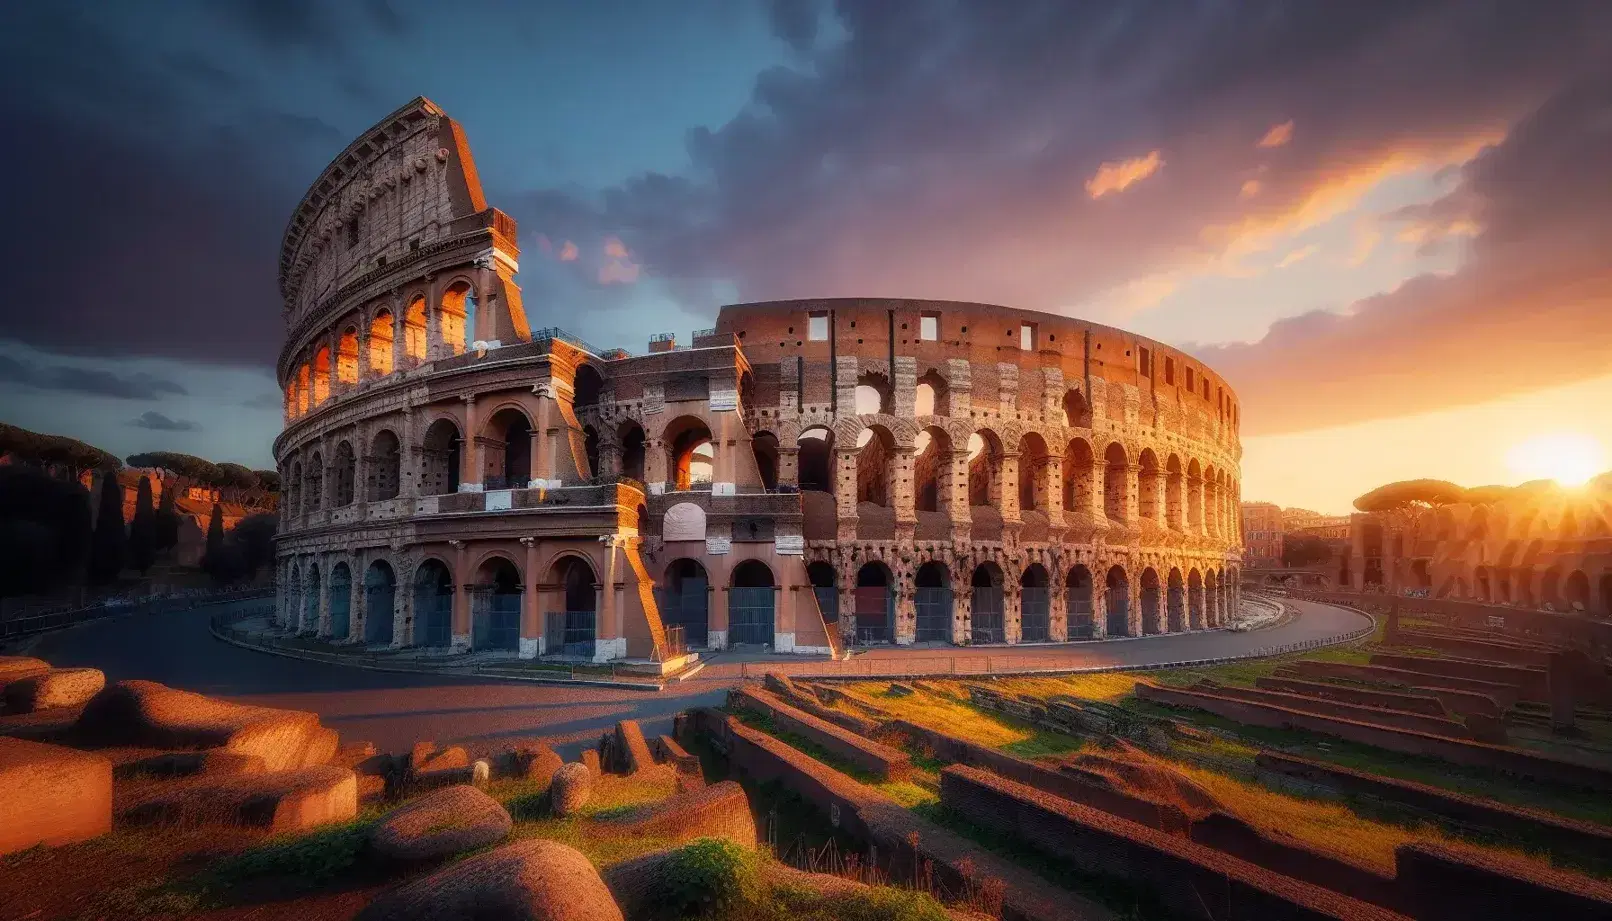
106, 550
143, 529
213, 560
166, 530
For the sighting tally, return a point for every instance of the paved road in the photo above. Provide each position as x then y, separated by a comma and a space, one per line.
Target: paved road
395, 710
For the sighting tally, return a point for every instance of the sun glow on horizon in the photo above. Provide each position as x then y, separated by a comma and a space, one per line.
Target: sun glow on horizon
1569, 458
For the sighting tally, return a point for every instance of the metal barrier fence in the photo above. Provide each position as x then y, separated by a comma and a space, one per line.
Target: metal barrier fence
167, 604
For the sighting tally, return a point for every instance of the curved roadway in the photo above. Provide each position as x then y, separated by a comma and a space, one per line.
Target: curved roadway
393, 710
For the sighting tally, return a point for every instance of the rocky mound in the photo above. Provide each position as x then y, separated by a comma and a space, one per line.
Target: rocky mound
440, 824
570, 789
281, 801
1128, 769
718, 811
53, 689
535, 880
151, 715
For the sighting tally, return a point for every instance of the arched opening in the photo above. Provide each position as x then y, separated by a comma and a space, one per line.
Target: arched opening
507, 450
683, 521
381, 355
932, 397
691, 457
1079, 475
385, 466
1032, 473
1195, 611
304, 388
341, 601
1175, 615
1035, 612
933, 599
456, 320
1116, 477
380, 603
824, 588
1577, 592
1174, 500
586, 385
293, 399
414, 326
439, 459
1076, 411
321, 375
572, 631
816, 460
750, 604
316, 482
873, 394
310, 608
765, 448
1078, 606
347, 356
874, 463
632, 450
495, 606
875, 605
1550, 587
1118, 602
984, 470
590, 449
345, 471
433, 605
1148, 491
686, 601
985, 585
932, 470
1152, 621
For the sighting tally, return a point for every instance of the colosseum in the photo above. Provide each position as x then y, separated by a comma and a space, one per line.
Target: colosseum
806, 475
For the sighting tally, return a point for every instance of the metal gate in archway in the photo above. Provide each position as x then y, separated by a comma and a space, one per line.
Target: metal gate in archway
875, 610
687, 605
496, 621
750, 615
341, 608
379, 603
934, 614
987, 617
433, 618
1035, 614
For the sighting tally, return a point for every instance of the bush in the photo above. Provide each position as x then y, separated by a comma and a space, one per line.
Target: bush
312, 859
710, 876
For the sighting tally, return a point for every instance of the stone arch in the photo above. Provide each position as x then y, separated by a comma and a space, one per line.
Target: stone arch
347, 356
932, 470
1550, 585
341, 601
587, 387
414, 330
456, 317
1152, 615
932, 396
506, 440
380, 603
495, 603
933, 605
1116, 482
385, 466
1149, 491
633, 449
1117, 600
874, 394
574, 630
752, 601
1174, 498
1035, 599
690, 453
1576, 592
1175, 619
815, 461
764, 446
382, 355
1033, 464
321, 375
875, 466
439, 458
683, 521
316, 482
433, 604
1079, 602
874, 599
1079, 475
344, 471
685, 599
985, 469
986, 588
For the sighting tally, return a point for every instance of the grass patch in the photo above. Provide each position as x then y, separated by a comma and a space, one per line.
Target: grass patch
804, 745
944, 713
1043, 743
313, 859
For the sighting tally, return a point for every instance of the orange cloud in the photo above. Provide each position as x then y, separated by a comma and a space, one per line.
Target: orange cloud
1250, 188
1298, 255
1118, 175
568, 252
1278, 136
1367, 236
618, 267
614, 248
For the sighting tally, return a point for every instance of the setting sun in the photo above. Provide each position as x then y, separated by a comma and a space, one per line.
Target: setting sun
1570, 459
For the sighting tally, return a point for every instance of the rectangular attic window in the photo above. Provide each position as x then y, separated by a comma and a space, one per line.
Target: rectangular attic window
1144, 363
1027, 337
817, 327
929, 327
1169, 370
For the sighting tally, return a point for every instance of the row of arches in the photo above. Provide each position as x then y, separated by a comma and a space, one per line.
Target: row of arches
1558, 589
381, 343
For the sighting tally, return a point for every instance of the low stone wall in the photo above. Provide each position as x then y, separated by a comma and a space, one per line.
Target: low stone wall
1434, 725
1425, 704
1231, 835
1506, 652
1501, 696
1572, 836
1532, 684
1190, 879
881, 761
1165, 817
1442, 884
1477, 754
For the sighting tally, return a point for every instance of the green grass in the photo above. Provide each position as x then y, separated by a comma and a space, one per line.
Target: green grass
313, 859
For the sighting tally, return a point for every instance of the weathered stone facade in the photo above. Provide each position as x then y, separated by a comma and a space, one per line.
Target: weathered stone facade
457, 479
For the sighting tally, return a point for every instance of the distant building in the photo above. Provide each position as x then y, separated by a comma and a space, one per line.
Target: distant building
1262, 534
194, 505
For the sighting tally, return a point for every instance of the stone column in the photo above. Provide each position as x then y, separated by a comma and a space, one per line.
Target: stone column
534, 451
788, 465
1012, 609
1051, 491
1058, 604
1005, 491
322, 603
956, 486
531, 645
358, 610
403, 604
1132, 483
655, 464
365, 374
461, 596
962, 608
845, 491
611, 641
470, 453
903, 491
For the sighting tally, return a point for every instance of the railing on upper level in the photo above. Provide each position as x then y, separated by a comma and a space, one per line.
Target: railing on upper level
549, 333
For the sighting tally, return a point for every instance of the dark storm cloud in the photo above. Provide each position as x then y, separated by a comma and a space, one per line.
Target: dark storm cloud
91, 381
157, 422
944, 149
795, 22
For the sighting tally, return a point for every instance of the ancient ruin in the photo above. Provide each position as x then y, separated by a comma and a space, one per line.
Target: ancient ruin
804, 475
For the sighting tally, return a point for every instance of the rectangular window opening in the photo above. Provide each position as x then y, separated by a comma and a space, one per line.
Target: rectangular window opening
817, 327
1145, 363
1169, 370
929, 327
1027, 337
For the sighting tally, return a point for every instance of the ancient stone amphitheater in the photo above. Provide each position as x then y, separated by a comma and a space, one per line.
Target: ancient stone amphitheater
804, 475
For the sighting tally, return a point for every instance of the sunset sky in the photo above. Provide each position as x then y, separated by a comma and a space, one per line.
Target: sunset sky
1389, 225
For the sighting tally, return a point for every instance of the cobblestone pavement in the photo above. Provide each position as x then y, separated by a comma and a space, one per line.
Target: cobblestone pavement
394, 710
